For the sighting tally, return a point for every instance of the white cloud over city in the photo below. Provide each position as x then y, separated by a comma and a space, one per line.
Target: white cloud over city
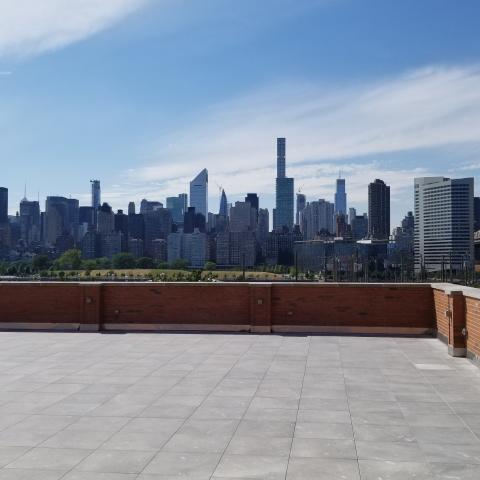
328, 128
31, 27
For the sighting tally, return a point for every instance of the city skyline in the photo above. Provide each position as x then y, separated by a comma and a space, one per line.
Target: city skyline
342, 82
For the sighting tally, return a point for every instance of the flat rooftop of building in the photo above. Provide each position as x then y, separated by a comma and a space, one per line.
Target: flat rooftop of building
204, 406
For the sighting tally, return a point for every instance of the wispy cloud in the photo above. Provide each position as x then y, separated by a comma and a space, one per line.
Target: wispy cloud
29, 27
5, 73
328, 128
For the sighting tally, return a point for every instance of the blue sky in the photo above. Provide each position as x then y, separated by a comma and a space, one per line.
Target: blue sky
142, 94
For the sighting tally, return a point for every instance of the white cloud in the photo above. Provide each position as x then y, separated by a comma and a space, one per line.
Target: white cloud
327, 128
29, 27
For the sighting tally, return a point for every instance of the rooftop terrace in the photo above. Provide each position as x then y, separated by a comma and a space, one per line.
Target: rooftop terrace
228, 406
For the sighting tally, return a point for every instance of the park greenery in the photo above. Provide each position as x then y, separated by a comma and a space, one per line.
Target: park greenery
124, 266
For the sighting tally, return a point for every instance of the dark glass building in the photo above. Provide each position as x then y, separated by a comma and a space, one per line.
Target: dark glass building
378, 210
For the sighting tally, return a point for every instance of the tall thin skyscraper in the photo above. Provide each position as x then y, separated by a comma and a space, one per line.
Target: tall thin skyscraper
443, 228
96, 195
283, 215
223, 211
199, 193
3, 205
281, 157
378, 210
340, 197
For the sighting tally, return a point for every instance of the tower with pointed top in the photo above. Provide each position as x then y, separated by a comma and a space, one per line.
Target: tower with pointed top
223, 211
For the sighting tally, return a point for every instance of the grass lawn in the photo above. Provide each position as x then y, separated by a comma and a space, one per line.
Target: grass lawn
169, 275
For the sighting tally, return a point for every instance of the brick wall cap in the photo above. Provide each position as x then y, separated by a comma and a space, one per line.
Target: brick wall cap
452, 289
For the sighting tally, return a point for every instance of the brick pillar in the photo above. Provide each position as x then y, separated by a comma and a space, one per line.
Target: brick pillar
260, 308
457, 346
91, 311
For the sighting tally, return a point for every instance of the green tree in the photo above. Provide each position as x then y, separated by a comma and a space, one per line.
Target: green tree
89, 265
180, 264
145, 262
40, 262
104, 263
70, 260
209, 266
123, 260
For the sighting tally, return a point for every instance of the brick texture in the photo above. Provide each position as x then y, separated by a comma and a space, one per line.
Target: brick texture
472, 308
353, 306
441, 307
240, 306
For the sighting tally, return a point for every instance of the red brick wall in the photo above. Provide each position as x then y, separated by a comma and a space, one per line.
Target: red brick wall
441, 307
363, 308
192, 304
472, 308
360, 305
40, 303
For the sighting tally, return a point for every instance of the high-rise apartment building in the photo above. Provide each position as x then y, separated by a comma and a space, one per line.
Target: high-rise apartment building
378, 210
263, 226
476, 214
30, 221
340, 197
105, 219
443, 223
359, 226
3, 205
199, 193
283, 215
352, 213
158, 224
317, 217
243, 217
57, 220
253, 200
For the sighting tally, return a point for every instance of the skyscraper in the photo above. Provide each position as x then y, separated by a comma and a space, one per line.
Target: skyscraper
316, 218
476, 213
378, 210
30, 221
105, 219
199, 193
443, 222
56, 219
149, 206
301, 203
178, 206
283, 215
3, 205
340, 197
252, 199
223, 211
243, 217
96, 194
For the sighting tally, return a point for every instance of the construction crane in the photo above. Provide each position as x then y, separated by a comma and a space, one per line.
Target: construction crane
220, 188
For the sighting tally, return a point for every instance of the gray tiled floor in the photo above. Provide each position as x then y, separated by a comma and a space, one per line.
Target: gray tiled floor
165, 406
